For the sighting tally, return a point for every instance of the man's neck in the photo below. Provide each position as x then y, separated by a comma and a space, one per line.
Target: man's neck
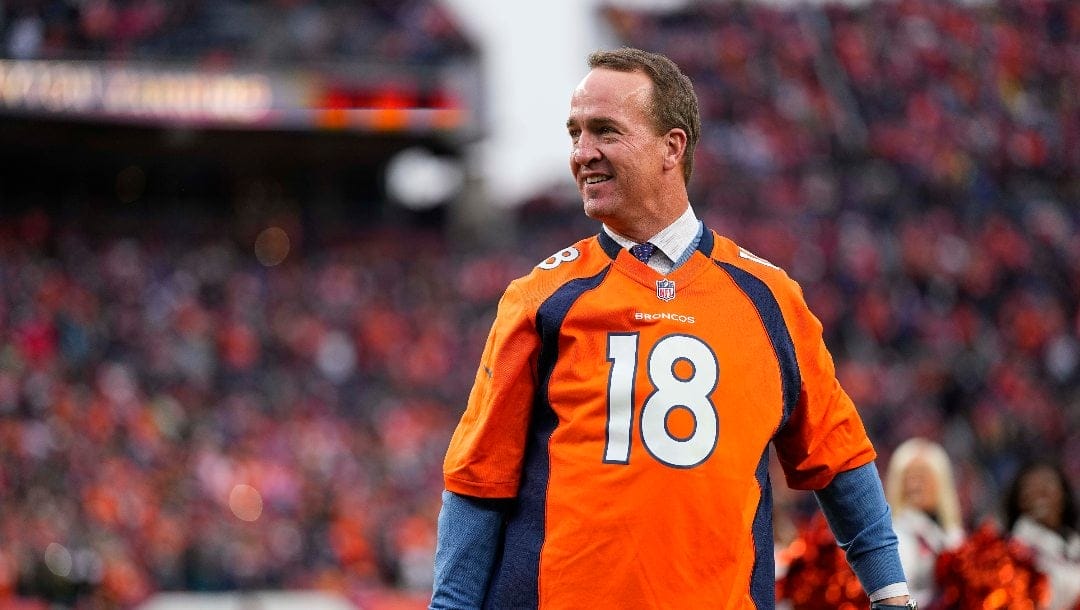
642, 230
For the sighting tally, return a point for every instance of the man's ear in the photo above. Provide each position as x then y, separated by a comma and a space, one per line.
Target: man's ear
675, 143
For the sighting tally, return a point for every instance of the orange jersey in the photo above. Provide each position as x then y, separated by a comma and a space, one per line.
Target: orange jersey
630, 415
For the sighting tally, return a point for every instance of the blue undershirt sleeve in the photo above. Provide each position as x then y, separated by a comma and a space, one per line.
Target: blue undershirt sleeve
469, 530
854, 505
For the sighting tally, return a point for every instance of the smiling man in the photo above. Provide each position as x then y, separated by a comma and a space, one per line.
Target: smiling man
614, 451
616, 153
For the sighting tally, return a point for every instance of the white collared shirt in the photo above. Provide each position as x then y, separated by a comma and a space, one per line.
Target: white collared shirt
672, 242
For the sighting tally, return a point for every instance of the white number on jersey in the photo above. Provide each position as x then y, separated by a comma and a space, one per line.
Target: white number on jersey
670, 391
562, 256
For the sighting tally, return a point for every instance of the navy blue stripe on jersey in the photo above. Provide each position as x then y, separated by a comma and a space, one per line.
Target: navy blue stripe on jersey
763, 575
762, 578
705, 244
516, 579
608, 244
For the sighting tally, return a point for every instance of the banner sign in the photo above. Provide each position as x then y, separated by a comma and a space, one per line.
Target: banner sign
234, 99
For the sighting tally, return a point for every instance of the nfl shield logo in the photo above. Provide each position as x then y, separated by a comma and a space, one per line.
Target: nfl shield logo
665, 290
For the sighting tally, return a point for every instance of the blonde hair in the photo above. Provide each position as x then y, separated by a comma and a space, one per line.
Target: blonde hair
948, 505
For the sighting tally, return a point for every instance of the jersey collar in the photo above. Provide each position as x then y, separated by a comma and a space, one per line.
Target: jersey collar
612, 247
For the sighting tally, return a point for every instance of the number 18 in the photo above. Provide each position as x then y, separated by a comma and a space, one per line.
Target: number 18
670, 391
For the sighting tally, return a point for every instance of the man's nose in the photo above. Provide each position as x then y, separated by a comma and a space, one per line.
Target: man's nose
585, 150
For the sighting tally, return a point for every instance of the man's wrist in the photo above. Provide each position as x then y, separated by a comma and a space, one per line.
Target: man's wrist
882, 605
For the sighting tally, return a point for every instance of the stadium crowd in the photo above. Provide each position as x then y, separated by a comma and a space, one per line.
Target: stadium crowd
188, 418
214, 415
224, 31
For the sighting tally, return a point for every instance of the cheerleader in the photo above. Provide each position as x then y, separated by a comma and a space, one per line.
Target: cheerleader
921, 492
1040, 512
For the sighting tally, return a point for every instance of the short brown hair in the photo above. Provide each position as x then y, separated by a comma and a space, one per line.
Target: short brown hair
674, 103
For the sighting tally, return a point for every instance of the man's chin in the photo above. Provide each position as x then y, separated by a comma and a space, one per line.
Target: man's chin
596, 209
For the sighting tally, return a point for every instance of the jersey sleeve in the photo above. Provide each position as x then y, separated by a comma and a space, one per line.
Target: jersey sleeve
824, 435
487, 448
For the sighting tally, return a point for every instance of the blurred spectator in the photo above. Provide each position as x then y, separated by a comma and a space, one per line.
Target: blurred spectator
1041, 512
921, 491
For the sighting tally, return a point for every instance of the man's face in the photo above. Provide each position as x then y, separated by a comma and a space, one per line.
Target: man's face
616, 157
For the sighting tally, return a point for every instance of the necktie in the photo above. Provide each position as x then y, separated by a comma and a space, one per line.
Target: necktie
643, 252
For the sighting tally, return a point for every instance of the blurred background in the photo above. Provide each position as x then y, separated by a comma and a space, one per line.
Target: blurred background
250, 251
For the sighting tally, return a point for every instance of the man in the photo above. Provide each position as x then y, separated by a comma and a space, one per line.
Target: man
614, 451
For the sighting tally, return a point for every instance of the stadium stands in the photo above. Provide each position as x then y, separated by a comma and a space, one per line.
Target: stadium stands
233, 31
184, 408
